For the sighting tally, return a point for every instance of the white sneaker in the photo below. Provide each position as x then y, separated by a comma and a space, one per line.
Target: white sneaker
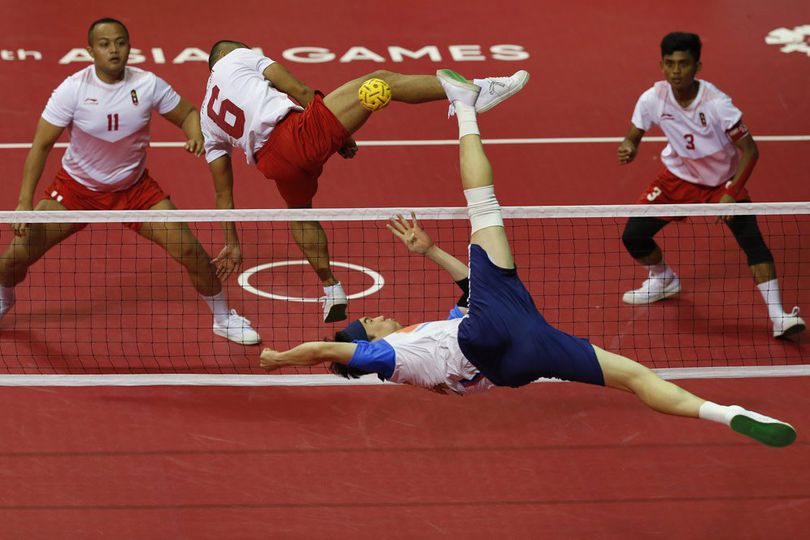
787, 325
653, 290
238, 330
762, 428
7, 303
494, 90
335, 304
457, 87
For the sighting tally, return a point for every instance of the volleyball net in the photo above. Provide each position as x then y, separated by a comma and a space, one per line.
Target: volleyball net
107, 301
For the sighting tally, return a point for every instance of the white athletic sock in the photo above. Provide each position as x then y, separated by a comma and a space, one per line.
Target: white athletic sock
330, 290
467, 120
770, 293
718, 413
661, 270
219, 307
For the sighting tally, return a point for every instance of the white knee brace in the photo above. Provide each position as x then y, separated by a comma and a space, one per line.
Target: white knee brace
483, 208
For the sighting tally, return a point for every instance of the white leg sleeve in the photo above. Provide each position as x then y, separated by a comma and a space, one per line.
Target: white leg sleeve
483, 208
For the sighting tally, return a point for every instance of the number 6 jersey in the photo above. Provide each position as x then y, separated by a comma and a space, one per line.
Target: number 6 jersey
241, 107
701, 136
108, 125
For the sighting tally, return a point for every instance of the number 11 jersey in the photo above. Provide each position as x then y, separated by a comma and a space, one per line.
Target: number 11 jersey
108, 125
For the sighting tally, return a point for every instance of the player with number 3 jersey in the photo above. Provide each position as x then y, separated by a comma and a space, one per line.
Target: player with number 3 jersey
708, 159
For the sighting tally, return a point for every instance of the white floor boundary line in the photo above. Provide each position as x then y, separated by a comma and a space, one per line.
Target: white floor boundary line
733, 372
454, 142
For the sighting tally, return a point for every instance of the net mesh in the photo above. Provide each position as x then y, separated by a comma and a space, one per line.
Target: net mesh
109, 301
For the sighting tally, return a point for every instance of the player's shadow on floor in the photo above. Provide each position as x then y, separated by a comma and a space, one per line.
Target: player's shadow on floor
37, 354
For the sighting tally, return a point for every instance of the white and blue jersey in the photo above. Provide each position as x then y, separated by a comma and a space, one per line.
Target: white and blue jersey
502, 341
425, 355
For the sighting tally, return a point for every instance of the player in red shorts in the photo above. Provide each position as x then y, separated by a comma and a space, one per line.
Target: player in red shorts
107, 109
709, 159
250, 103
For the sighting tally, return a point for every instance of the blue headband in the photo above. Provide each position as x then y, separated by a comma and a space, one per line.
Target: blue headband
356, 331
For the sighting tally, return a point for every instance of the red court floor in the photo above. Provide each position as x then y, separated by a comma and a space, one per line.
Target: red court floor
548, 461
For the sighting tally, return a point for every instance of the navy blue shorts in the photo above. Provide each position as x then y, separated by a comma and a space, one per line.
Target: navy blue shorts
507, 339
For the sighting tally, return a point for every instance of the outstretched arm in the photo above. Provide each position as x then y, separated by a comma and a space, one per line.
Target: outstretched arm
187, 118
230, 258
45, 137
629, 146
749, 154
418, 241
308, 354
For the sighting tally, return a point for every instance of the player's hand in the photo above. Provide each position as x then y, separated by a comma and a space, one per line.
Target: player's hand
228, 260
270, 360
411, 234
21, 229
194, 146
725, 199
349, 149
626, 152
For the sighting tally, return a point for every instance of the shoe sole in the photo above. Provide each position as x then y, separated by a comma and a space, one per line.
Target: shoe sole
795, 329
454, 79
666, 294
507, 95
337, 313
775, 434
224, 333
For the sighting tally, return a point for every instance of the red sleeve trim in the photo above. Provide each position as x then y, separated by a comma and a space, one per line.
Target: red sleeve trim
738, 131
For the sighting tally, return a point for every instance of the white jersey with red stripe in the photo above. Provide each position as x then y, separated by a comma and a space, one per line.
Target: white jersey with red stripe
701, 136
241, 107
108, 125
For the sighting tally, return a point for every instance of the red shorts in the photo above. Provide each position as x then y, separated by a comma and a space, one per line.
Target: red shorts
297, 149
669, 189
145, 194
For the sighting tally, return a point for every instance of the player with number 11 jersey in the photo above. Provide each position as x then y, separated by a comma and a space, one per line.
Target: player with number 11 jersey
107, 110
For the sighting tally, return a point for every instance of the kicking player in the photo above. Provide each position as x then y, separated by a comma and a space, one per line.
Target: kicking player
250, 103
503, 340
708, 159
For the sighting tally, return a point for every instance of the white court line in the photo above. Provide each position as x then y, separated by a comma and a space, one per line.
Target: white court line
733, 372
453, 142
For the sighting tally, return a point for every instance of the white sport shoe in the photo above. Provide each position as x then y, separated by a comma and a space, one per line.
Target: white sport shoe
653, 290
762, 428
787, 325
238, 330
457, 87
494, 90
335, 304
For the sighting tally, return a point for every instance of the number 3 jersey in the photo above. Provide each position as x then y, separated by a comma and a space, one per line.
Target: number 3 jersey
241, 107
108, 125
701, 136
